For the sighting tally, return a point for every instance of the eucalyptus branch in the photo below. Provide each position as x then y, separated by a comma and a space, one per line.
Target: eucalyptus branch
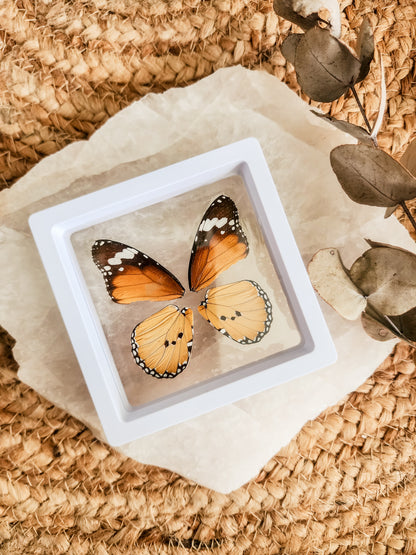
374, 139
408, 214
326, 68
361, 107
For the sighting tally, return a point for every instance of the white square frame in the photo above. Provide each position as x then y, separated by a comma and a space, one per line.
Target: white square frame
52, 229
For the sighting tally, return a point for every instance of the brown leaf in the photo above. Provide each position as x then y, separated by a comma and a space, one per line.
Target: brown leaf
375, 329
370, 176
355, 130
391, 210
324, 66
285, 9
387, 276
330, 279
289, 46
365, 48
408, 160
385, 322
407, 324
375, 244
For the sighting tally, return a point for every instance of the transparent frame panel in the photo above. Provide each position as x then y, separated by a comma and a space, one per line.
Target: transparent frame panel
165, 231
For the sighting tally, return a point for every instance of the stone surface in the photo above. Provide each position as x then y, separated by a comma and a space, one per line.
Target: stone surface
227, 447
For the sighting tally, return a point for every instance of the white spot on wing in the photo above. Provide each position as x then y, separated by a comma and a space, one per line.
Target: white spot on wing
215, 222
124, 254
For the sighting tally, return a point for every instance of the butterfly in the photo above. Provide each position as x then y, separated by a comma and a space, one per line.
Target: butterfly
162, 343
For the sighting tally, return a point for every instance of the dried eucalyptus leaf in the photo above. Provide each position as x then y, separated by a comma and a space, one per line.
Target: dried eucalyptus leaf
375, 244
324, 66
384, 321
387, 276
370, 176
289, 46
285, 8
330, 278
375, 329
355, 130
365, 48
389, 211
408, 160
407, 324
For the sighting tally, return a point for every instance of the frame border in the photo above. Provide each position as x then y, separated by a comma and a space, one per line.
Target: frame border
52, 229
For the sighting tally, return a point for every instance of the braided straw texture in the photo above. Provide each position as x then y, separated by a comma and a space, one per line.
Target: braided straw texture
347, 482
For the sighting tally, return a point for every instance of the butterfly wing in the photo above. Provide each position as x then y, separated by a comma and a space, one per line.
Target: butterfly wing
241, 311
131, 275
162, 343
219, 243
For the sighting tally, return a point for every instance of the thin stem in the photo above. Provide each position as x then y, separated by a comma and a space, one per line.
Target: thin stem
380, 317
408, 214
360, 106
354, 92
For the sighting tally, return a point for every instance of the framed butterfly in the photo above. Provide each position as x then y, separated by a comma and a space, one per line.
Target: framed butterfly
162, 343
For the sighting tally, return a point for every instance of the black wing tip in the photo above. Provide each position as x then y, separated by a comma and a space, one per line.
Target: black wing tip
94, 248
221, 198
97, 244
101, 242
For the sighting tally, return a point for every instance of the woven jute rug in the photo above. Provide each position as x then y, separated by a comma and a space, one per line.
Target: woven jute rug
347, 482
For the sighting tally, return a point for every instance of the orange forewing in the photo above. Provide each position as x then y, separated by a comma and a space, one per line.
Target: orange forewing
131, 275
219, 243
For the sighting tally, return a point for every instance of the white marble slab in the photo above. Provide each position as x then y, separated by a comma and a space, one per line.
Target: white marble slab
227, 447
